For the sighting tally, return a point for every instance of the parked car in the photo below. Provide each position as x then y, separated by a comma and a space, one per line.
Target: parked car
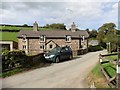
58, 54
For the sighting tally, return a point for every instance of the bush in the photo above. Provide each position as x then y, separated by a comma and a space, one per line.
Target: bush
12, 59
94, 48
102, 44
18, 59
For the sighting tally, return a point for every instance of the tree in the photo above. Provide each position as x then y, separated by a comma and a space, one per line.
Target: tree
104, 29
107, 34
24, 25
93, 34
87, 30
56, 26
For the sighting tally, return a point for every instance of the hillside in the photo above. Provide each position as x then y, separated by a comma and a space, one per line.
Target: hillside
18, 28
10, 32
9, 36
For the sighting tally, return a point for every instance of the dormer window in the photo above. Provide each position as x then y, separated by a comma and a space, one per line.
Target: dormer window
68, 38
82, 38
42, 38
24, 38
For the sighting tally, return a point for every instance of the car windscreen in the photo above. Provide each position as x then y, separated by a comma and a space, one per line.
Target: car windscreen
55, 50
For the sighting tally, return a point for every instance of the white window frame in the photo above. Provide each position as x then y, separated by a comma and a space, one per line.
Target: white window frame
42, 38
83, 38
43, 47
24, 38
51, 45
24, 47
68, 38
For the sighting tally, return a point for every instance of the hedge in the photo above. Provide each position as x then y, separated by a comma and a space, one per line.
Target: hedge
18, 59
94, 48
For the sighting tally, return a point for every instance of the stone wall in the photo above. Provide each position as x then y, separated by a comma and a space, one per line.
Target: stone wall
21, 43
33, 45
84, 44
74, 44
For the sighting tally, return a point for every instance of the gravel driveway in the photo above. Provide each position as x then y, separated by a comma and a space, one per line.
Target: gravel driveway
68, 74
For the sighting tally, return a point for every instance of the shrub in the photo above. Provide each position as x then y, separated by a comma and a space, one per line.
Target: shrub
12, 59
94, 48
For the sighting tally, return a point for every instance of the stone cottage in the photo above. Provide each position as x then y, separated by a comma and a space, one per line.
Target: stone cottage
35, 42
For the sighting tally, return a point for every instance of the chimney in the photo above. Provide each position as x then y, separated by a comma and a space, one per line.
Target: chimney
35, 26
73, 27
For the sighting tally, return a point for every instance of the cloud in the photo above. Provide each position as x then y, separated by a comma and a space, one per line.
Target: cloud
84, 14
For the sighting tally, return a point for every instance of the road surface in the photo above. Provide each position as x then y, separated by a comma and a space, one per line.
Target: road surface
68, 74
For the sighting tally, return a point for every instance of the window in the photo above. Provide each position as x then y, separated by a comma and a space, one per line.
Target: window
66, 49
83, 38
42, 46
68, 38
51, 46
42, 38
24, 47
63, 50
24, 38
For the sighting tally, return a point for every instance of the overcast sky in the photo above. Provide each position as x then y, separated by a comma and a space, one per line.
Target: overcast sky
85, 13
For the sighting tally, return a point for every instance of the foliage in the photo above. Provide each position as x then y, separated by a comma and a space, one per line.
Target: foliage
94, 48
56, 26
18, 59
12, 72
25, 25
106, 28
108, 34
4, 51
12, 59
92, 34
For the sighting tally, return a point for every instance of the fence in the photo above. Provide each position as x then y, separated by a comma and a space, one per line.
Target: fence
112, 81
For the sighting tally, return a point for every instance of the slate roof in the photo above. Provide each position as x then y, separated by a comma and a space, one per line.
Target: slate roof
53, 33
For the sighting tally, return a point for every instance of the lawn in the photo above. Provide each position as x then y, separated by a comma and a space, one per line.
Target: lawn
9, 36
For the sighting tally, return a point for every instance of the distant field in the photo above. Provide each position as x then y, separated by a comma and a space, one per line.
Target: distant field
11, 32
8, 36
20, 28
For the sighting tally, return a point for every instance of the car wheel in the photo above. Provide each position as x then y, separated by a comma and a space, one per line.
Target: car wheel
57, 59
71, 57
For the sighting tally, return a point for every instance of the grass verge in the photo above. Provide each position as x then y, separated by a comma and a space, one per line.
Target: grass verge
110, 69
113, 57
12, 72
96, 77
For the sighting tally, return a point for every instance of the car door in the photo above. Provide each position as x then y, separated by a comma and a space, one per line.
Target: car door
63, 53
67, 52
